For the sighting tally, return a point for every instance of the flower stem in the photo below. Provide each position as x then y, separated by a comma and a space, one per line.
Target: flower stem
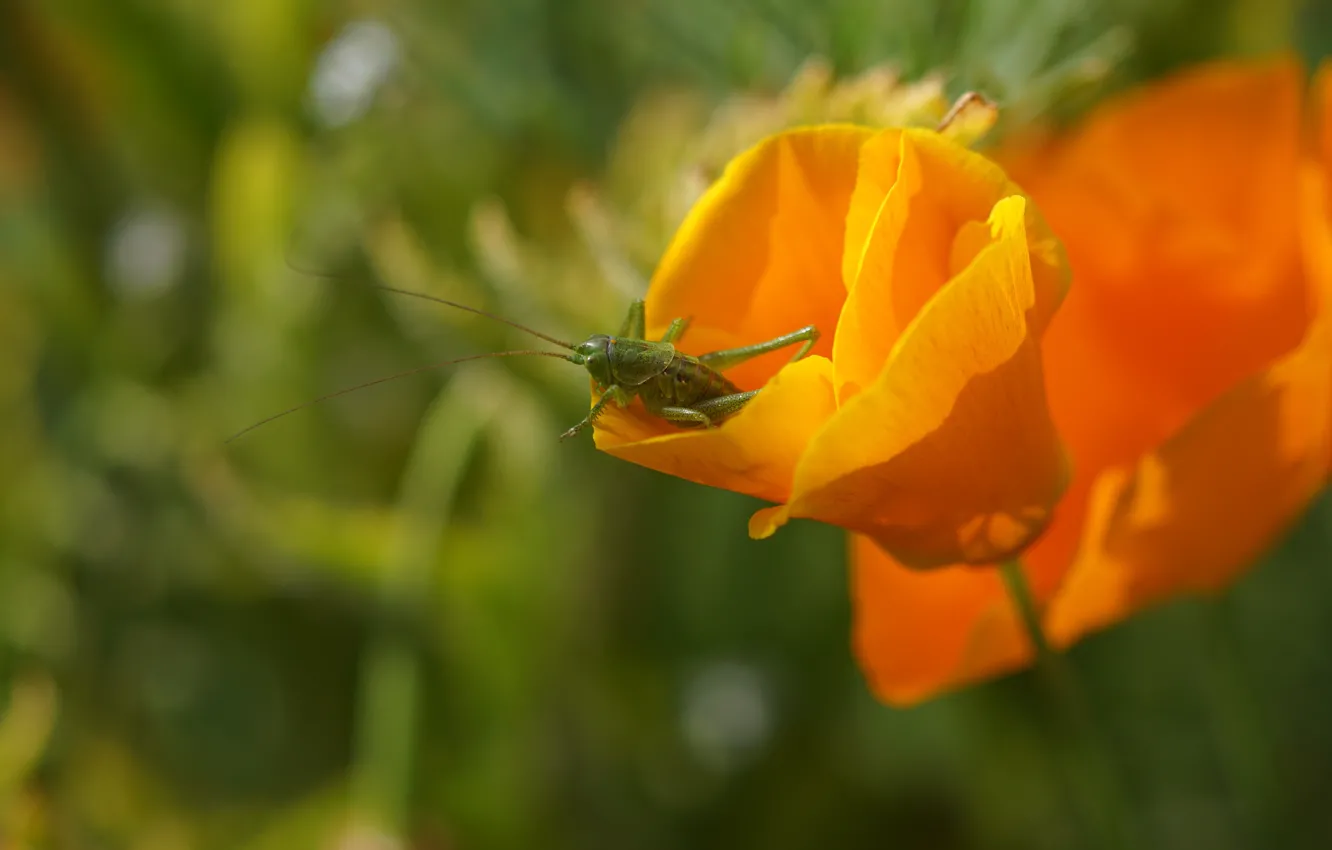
1015, 580
1085, 756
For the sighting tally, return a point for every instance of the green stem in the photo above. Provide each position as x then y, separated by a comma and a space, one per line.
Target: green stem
1085, 755
1015, 580
386, 728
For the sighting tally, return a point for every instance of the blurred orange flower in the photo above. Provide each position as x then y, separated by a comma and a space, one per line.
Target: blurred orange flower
920, 419
1189, 372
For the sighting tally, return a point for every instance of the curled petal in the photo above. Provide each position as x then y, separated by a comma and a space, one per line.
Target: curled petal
754, 452
917, 219
758, 256
950, 455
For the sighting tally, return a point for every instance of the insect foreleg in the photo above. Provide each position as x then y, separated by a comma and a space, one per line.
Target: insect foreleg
725, 359
612, 393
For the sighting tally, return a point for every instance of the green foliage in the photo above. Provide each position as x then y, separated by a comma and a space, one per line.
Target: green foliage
410, 610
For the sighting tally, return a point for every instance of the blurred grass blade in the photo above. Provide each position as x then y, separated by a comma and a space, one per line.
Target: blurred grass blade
390, 688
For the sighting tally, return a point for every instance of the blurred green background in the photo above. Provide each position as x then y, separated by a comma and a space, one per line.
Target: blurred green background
410, 617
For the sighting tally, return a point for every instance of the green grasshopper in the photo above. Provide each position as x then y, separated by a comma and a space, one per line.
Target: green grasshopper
682, 389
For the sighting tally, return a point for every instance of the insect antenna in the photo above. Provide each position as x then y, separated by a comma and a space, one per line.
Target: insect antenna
447, 303
536, 333
394, 377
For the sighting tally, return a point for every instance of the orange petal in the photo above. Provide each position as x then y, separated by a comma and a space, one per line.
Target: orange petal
1192, 514
1168, 153
1321, 118
917, 633
1320, 114
755, 452
1174, 204
917, 218
758, 256
950, 455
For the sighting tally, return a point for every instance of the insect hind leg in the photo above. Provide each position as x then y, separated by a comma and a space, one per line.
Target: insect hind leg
725, 359
726, 406
709, 412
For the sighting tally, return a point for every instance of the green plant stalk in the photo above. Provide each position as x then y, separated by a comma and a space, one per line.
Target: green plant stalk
389, 691
1081, 745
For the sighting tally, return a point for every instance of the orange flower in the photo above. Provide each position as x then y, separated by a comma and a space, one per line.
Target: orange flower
920, 419
1189, 372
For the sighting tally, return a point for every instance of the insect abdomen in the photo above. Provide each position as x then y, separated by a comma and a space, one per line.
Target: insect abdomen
686, 382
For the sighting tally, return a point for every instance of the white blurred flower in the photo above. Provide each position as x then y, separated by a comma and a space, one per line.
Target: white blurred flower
145, 253
351, 70
726, 714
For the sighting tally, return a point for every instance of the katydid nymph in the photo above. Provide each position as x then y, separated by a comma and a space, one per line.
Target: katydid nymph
682, 389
